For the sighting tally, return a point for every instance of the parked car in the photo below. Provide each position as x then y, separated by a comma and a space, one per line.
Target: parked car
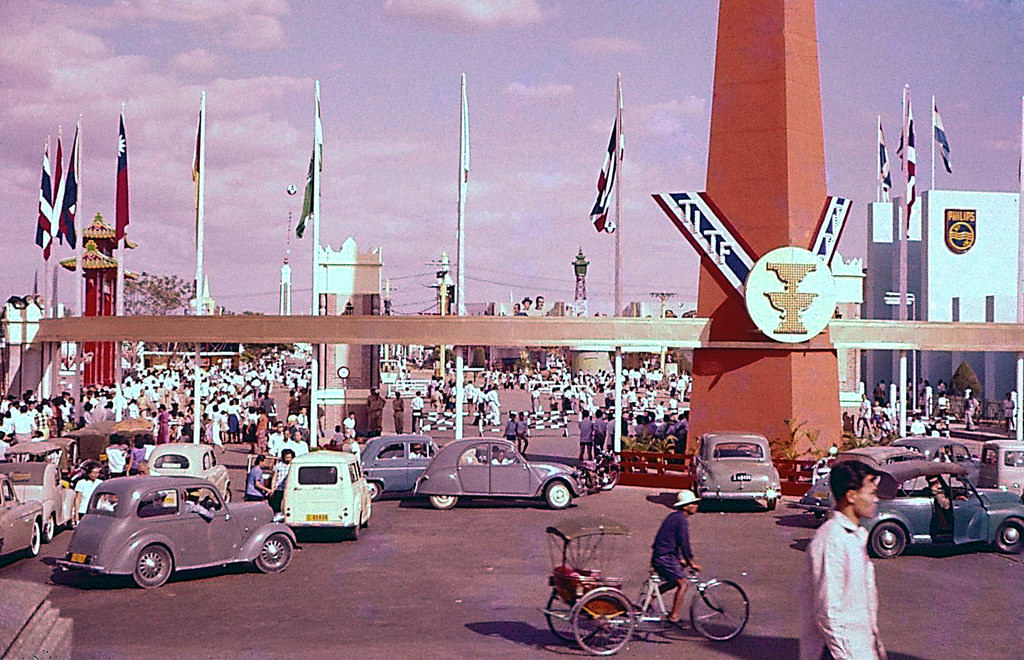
93, 440
62, 452
152, 527
1002, 465
21, 523
393, 463
736, 466
943, 449
41, 482
954, 512
493, 468
818, 498
326, 489
184, 459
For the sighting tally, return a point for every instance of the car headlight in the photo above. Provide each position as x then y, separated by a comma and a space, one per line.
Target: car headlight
771, 493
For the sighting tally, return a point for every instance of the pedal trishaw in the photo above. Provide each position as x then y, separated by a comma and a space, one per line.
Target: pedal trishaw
590, 608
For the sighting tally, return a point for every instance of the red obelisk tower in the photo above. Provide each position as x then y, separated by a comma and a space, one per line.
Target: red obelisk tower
766, 173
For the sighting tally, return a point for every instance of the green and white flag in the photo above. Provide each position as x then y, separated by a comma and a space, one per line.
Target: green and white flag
316, 166
307, 200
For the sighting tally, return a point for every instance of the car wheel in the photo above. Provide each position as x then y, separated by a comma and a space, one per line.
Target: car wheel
37, 538
1010, 537
772, 503
153, 567
558, 495
50, 528
275, 554
888, 540
376, 490
443, 501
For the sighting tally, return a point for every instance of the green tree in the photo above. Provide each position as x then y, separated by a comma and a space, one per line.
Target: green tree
965, 378
156, 295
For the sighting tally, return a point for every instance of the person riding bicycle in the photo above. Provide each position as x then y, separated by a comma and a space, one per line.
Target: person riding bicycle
671, 550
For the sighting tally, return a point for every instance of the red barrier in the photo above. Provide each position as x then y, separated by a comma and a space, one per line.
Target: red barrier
651, 469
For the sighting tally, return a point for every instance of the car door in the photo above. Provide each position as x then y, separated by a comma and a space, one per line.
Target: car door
474, 469
8, 536
970, 519
158, 511
511, 476
391, 466
212, 527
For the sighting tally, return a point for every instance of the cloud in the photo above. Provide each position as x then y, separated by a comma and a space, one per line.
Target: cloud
523, 93
197, 61
241, 24
667, 118
606, 46
467, 15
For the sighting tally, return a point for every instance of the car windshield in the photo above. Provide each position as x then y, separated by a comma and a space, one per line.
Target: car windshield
738, 450
318, 475
171, 462
105, 503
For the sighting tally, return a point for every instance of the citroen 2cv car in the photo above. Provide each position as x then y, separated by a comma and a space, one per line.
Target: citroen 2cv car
185, 459
493, 468
21, 523
818, 498
41, 482
927, 503
943, 449
736, 466
150, 527
393, 463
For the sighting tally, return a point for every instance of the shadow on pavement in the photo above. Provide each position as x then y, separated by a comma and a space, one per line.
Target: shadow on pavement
804, 520
523, 633
666, 499
730, 506
800, 544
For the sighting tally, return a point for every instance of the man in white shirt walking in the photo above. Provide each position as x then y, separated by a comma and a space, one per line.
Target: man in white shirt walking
838, 597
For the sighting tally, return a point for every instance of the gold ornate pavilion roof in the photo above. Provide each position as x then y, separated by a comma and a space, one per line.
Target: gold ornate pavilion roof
93, 259
98, 229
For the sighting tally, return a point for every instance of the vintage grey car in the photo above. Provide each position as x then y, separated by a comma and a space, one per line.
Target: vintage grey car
1002, 465
952, 511
935, 448
41, 482
736, 466
21, 523
151, 527
393, 463
493, 468
818, 498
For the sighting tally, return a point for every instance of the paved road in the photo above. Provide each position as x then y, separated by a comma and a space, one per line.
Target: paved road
469, 583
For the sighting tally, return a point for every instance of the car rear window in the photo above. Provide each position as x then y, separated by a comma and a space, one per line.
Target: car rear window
105, 503
738, 450
318, 475
171, 462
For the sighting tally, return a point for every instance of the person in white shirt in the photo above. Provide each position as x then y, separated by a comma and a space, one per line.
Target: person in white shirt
838, 596
84, 490
917, 427
4, 446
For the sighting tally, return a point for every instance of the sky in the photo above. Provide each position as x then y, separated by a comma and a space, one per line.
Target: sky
541, 89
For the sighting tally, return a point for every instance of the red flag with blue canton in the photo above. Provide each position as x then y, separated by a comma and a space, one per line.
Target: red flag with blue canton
605, 181
69, 201
44, 235
121, 217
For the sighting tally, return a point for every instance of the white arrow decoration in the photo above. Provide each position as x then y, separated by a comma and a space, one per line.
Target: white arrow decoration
830, 228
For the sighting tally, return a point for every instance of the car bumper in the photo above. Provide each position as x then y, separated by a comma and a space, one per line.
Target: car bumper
75, 566
741, 495
303, 523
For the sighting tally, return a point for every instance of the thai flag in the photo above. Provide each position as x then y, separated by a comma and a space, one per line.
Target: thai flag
121, 216
605, 182
69, 198
44, 235
911, 159
884, 175
940, 137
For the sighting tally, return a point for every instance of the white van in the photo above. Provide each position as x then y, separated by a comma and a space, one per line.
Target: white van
326, 489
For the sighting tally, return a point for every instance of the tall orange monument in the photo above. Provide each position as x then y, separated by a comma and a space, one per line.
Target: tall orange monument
765, 190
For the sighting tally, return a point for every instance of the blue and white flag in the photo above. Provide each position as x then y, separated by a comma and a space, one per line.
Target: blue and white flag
940, 137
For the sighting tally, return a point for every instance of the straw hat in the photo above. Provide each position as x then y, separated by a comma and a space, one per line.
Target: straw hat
685, 497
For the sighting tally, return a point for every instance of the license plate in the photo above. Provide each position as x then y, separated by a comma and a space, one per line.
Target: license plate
741, 477
316, 517
821, 495
78, 558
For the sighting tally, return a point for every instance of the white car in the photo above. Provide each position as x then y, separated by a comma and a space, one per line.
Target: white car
326, 489
183, 459
40, 482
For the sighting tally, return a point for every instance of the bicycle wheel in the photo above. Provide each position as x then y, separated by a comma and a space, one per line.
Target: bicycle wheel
602, 621
559, 616
720, 610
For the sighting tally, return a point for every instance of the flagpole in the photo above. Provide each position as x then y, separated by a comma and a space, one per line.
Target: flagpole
463, 176
1019, 413
878, 162
118, 374
932, 140
76, 149
618, 197
200, 210
904, 225
314, 384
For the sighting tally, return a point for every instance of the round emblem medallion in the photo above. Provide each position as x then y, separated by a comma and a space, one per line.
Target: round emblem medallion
790, 295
